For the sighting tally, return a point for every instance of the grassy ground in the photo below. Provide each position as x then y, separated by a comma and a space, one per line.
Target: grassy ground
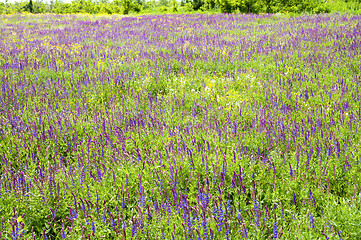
180, 126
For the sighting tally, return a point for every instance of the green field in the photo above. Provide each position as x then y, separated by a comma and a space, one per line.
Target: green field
180, 126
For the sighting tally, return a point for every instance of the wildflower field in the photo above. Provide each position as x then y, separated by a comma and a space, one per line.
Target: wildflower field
180, 127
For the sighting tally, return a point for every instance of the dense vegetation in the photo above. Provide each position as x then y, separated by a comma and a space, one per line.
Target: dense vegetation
180, 127
184, 6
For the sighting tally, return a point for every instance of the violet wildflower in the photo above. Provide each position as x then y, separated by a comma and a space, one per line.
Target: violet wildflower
134, 228
312, 221
294, 198
204, 225
275, 230
168, 206
93, 227
245, 231
104, 215
326, 237
291, 170
44, 235
339, 234
62, 232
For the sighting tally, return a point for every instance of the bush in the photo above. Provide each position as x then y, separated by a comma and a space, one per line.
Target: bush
188, 7
137, 7
322, 8
163, 9
174, 6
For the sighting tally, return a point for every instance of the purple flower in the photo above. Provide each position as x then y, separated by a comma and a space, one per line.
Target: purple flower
134, 228
204, 225
294, 199
104, 215
275, 230
44, 235
291, 170
339, 234
62, 233
93, 227
168, 206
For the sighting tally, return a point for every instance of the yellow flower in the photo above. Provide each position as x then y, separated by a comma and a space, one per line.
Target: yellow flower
20, 219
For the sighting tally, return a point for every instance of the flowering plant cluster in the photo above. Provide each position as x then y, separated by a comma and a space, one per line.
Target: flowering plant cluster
180, 127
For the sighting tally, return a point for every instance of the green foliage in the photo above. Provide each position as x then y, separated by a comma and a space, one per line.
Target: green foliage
174, 5
30, 7
166, 6
163, 9
2, 8
188, 7
133, 108
163, 3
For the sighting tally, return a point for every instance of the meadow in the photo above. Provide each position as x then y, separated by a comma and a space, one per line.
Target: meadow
235, 126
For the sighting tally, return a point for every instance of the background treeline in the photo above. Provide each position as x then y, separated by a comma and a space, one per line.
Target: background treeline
184, 6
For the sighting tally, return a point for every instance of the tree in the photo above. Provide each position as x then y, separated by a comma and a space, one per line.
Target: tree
51, 5
30, 7
197, 4
174, 6
126, 6
163, 2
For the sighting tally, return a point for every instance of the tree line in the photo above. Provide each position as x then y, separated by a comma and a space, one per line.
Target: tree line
184, 6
